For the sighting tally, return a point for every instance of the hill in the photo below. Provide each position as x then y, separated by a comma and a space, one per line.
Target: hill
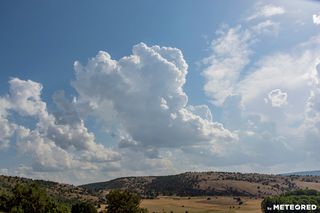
208, 184
304, 173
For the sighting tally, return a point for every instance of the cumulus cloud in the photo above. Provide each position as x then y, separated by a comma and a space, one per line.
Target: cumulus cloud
144, 92
277, 98
53, 144
6, 127
316, 19
46, 155
25, 98
265, 11
140, 101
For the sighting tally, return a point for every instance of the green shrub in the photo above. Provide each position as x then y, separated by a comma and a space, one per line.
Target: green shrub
83, 207
123, 201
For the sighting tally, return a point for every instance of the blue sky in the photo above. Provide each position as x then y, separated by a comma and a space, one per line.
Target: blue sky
177, 86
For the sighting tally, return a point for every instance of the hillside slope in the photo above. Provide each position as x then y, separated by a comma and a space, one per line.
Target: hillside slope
207, 183
303, 173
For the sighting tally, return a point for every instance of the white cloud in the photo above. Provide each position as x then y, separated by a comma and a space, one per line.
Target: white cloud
139, 99
25, 98
45, 154
312, 113
257, 129
230, 55
6, 127
277, 98
316, 19
268, 134
265, 11
292, 73
52, 144
144, 92
266, 27
289, 71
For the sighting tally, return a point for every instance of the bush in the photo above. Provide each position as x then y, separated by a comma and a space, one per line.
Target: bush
123, 201
83, 208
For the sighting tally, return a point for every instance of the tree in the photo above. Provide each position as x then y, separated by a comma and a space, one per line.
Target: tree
29, 198
83, 207
124, 201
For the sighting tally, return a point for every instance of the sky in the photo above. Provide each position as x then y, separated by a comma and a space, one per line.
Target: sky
95, 90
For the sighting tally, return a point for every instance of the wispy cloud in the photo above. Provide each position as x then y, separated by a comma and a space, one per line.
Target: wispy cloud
265, 11
231, 52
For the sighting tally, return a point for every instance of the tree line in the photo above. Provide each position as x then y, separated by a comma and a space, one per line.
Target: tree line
31, 198
300, 197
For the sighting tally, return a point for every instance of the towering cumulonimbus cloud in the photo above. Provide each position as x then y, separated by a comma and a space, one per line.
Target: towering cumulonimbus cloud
144, 92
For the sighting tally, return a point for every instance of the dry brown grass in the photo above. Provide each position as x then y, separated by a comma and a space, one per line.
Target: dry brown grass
308, 185
201, 204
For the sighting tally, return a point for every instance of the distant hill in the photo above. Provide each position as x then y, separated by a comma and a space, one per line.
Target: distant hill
303, 173
207, 183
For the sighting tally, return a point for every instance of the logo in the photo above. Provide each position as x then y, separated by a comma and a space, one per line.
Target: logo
292, 207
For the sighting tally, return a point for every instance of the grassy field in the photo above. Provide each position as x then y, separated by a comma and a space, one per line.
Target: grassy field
202, 205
